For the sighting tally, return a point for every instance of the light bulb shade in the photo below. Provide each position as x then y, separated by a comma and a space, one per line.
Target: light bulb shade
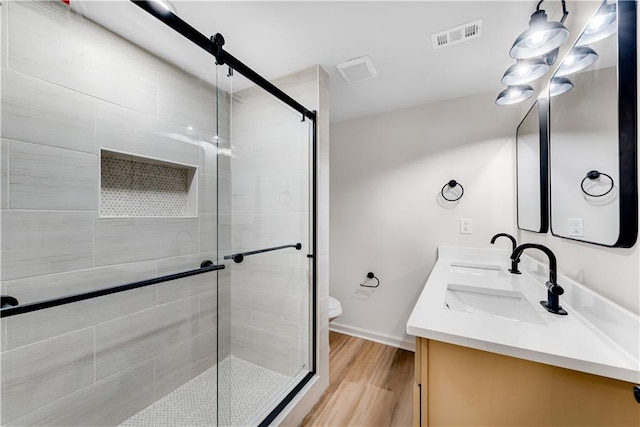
549, 58
601, 26
514, 94
578, 59
559, 85
541, 37
525, 71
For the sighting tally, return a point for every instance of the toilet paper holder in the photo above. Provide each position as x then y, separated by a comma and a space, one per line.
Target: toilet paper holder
370, 276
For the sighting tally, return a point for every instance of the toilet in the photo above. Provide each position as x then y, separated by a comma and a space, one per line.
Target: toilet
335, 308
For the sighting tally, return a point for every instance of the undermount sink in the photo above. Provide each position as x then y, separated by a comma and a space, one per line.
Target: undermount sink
504, 304
477, 270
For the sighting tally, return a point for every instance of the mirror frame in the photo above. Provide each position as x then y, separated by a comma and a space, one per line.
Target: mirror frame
542, 106
627, 129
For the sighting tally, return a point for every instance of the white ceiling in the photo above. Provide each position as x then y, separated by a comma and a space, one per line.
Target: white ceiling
280, 38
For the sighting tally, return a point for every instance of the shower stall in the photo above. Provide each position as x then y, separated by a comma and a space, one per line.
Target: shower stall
158, 228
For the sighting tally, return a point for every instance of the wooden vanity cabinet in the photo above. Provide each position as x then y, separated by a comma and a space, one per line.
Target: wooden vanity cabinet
460, 386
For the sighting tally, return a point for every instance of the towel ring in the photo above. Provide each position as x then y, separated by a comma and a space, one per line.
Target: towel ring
370, 275
452, 184
593, 175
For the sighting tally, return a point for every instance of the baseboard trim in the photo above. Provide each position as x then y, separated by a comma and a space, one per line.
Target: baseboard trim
373, 336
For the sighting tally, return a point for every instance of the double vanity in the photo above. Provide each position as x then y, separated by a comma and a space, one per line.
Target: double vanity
489, 353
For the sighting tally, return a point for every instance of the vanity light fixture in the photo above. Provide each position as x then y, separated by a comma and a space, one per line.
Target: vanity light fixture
578, 59
559, 85
514, 94
525, 71
542, 36
603, 25
536, 50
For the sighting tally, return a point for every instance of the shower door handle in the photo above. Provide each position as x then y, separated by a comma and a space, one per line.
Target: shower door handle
239, 257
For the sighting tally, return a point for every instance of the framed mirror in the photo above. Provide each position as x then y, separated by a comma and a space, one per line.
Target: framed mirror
532, 142
592, 125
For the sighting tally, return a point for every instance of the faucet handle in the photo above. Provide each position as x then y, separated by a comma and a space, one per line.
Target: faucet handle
555, 289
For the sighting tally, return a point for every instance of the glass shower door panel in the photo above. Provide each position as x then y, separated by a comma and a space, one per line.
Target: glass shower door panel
112, 181
270, 290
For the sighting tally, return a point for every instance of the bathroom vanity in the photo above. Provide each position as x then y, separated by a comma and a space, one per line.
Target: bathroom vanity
487, 352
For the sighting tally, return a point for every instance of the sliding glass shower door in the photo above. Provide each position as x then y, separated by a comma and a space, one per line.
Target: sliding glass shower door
264, 238
155, 229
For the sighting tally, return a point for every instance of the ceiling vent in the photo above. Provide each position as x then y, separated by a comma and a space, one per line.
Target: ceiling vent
461, 33
357, 70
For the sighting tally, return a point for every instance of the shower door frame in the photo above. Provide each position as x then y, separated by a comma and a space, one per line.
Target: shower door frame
214, 46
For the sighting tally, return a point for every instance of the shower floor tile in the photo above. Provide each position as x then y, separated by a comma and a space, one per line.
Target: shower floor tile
246, 391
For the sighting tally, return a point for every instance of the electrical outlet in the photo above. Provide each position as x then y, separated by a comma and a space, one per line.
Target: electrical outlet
465, 226
576, 227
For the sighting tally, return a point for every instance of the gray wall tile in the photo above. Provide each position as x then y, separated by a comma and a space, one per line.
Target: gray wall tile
43, 113
133, 338
125, 240
224, 233
284, 272
267, 349
4, 173
179, 364
209, 154
3, 39
3, 333
37, 288
35, 375
49, 42
208, 311
47, 178
270, 311
189, 286
35, 243
126, 131
43, 324
184, 262
263, 229
208, 193
208, 233
105, 403
186, 100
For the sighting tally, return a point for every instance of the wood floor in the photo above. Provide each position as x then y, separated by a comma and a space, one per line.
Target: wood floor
370, 385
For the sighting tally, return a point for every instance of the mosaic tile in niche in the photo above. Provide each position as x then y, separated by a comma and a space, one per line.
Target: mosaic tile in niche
131, 188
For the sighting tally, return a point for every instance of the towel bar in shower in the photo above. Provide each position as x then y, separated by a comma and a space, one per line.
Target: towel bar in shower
205, 267
239, 257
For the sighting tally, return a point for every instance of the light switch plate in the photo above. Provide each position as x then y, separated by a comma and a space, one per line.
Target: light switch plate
576, 227
465, 226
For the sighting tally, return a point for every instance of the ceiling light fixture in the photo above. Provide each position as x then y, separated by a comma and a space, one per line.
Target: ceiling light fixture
525, 71
559, 85
578, 59
542, 36
601, 26
514, 94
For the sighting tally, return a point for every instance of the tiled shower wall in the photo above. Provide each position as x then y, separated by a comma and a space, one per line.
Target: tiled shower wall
69, 89
271, 206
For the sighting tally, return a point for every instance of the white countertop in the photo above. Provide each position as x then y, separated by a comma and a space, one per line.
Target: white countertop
597, 336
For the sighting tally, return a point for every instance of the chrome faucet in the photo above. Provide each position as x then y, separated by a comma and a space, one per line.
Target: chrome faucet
554, 290
514, 263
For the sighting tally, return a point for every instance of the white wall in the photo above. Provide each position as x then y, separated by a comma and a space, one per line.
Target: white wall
385, 173
386, 216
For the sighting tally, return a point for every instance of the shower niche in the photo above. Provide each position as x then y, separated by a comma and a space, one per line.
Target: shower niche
133, 186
